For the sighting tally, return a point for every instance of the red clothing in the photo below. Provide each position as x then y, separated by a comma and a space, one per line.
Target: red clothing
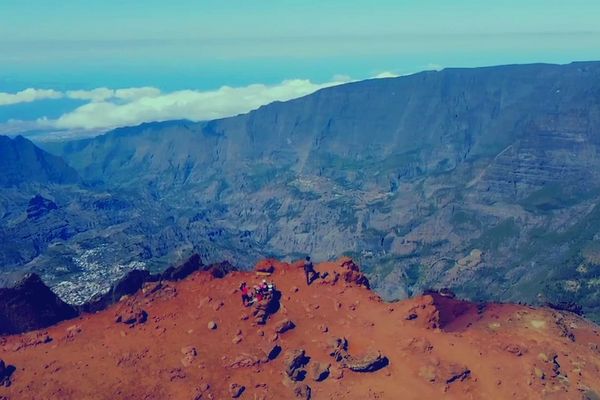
245, 290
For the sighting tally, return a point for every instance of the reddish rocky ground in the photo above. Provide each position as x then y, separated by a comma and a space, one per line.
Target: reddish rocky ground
194, 340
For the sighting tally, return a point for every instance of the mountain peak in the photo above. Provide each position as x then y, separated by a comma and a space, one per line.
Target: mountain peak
194, 339
22, 162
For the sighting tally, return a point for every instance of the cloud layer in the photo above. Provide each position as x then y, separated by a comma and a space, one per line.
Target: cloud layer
28, 96
106, 108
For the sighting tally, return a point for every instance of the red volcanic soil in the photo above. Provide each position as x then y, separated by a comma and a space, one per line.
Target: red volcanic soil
436, 347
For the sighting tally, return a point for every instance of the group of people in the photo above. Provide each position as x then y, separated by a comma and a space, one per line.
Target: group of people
257, 293
266, 289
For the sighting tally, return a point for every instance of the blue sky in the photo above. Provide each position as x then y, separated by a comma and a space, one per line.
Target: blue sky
204, 45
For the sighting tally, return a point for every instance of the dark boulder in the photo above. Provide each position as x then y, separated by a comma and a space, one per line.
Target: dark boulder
31, 305
284, 326
295, 361
456, 373
175, 273
236, 390
6, 372
272, 351
369, 363
319, 371
267, 307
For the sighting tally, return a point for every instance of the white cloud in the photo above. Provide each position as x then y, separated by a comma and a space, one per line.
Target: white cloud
433, 67
386, 74
136, 105
28, 95
104, 94
107, 108
95, 95
136, 93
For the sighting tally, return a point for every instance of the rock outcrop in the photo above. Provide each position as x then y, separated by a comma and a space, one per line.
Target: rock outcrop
31, 305
371, 362
40, 206
131, 314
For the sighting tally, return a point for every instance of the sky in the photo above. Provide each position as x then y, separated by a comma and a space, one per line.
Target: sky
83, 65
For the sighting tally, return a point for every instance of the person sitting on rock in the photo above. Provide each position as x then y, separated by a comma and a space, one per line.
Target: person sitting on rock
258, 294
264, 286
309, 271
246, 299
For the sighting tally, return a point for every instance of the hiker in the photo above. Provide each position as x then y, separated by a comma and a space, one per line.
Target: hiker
258, 294
309, 271
246, 299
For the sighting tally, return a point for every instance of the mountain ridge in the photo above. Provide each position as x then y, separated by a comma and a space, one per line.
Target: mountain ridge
482, 180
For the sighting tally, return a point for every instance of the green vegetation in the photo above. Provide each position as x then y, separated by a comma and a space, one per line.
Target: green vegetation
554, 197
461, 218
494, 237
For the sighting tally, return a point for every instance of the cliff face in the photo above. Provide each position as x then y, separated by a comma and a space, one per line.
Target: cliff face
334, 338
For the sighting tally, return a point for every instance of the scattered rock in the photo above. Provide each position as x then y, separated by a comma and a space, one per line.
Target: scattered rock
236, 339
353, 275
411, 316
6, 372
295, 361
32, 340
539, 373
201, 392
272, 351
236, 390
339, 348
245, 361
189, 355
370, 363
131, 314
284, 326
176, 373
555, 365
323, 328
212, 325
302, 391
73, 331
515, 349
457, 373
319, 371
